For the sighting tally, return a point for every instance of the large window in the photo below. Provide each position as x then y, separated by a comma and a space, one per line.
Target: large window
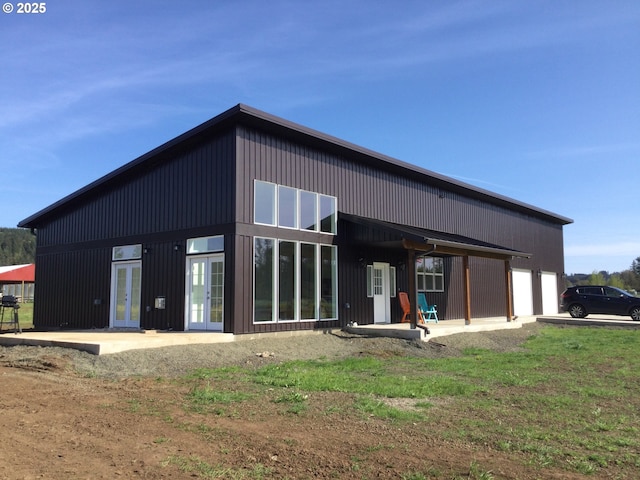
430, 274
264, 277
288, 207
265, 203
302, 285
287, 280
308, 281
329, 279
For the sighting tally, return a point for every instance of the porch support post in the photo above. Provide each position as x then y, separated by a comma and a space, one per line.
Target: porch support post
467, 290
413, 296
507, 281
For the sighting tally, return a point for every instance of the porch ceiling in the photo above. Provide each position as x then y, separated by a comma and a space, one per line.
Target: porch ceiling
434, 242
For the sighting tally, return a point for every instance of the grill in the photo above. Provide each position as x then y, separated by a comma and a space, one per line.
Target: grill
10, 301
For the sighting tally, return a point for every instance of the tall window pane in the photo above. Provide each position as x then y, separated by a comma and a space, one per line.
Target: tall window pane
287, 207
264, 282
287, 281
327, 214
265, 203
308, 210
328, 282
308, 281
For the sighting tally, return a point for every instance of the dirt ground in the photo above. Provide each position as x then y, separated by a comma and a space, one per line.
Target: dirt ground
66, 414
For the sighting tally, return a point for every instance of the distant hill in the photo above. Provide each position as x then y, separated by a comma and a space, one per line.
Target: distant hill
17, 246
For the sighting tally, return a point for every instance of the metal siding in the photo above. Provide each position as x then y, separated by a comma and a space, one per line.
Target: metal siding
209, 186
189, 190
186, 195
368, 191
67, 285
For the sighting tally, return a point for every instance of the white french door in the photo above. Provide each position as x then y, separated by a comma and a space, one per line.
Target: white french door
381, 293
126, 280
205, 292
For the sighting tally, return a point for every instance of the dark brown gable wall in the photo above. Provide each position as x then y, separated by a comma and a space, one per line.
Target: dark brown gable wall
184, 194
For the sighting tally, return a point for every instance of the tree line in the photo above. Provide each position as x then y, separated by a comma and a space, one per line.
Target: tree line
627, 280
17, 246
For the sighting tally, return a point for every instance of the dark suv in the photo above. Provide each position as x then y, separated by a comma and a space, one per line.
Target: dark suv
582, 300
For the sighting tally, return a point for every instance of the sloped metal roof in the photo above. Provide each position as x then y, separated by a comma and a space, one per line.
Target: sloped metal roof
245, 115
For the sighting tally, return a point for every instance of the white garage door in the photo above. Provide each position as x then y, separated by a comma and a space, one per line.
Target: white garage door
522, 292
549, 293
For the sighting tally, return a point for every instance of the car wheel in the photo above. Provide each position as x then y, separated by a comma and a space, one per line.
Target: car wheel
635, 314
577, 311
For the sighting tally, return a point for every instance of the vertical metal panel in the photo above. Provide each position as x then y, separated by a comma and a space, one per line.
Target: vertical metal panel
184, 191
366, 190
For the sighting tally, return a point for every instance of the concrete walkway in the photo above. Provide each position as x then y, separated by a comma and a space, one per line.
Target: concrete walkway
101, 342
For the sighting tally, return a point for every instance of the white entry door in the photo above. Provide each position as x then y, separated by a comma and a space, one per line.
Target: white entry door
205, 292
522, 292
381, 293
125, 294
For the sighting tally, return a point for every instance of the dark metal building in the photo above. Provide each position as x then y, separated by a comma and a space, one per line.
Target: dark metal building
250, 223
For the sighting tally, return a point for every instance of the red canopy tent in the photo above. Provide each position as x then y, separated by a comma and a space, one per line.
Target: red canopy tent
14, 277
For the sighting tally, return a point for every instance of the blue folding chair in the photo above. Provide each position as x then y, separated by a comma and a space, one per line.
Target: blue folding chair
429, 312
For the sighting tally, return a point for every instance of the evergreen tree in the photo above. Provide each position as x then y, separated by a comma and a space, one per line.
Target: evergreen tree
17, 246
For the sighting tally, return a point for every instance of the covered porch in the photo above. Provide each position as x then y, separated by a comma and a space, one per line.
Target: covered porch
413, 243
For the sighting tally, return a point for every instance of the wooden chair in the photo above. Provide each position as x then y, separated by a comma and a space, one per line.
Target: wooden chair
406, 308
429, 312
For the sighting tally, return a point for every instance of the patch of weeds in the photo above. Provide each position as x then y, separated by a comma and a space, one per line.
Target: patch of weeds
377, 408
195, 466
331, 409
134, 405
430, 473
583, 466
476, 473
292, 397
160, 440
296, 401
573, 345
204, 396
504, 445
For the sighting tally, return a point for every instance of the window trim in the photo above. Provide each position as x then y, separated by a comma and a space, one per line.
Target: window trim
275, 281
191, 242
432, 275
276, 209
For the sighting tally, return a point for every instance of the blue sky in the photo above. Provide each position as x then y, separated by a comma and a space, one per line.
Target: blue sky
536, 100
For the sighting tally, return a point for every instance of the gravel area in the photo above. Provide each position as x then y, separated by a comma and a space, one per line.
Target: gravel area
178, 360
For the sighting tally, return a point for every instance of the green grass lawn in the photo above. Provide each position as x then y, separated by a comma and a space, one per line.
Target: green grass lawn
569, 400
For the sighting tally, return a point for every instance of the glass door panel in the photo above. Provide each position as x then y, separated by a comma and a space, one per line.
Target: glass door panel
206, 293
125, 294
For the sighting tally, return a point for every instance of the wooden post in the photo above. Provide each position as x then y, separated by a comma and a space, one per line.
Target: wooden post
507, 278
467, 291
413, 297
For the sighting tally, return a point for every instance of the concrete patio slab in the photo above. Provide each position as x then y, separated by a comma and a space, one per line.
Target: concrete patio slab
101, 342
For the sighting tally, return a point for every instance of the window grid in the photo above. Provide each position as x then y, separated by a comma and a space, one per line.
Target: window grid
294, 281
288, 207
430, 274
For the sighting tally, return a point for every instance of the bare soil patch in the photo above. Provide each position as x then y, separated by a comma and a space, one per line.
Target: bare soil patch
68, 414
